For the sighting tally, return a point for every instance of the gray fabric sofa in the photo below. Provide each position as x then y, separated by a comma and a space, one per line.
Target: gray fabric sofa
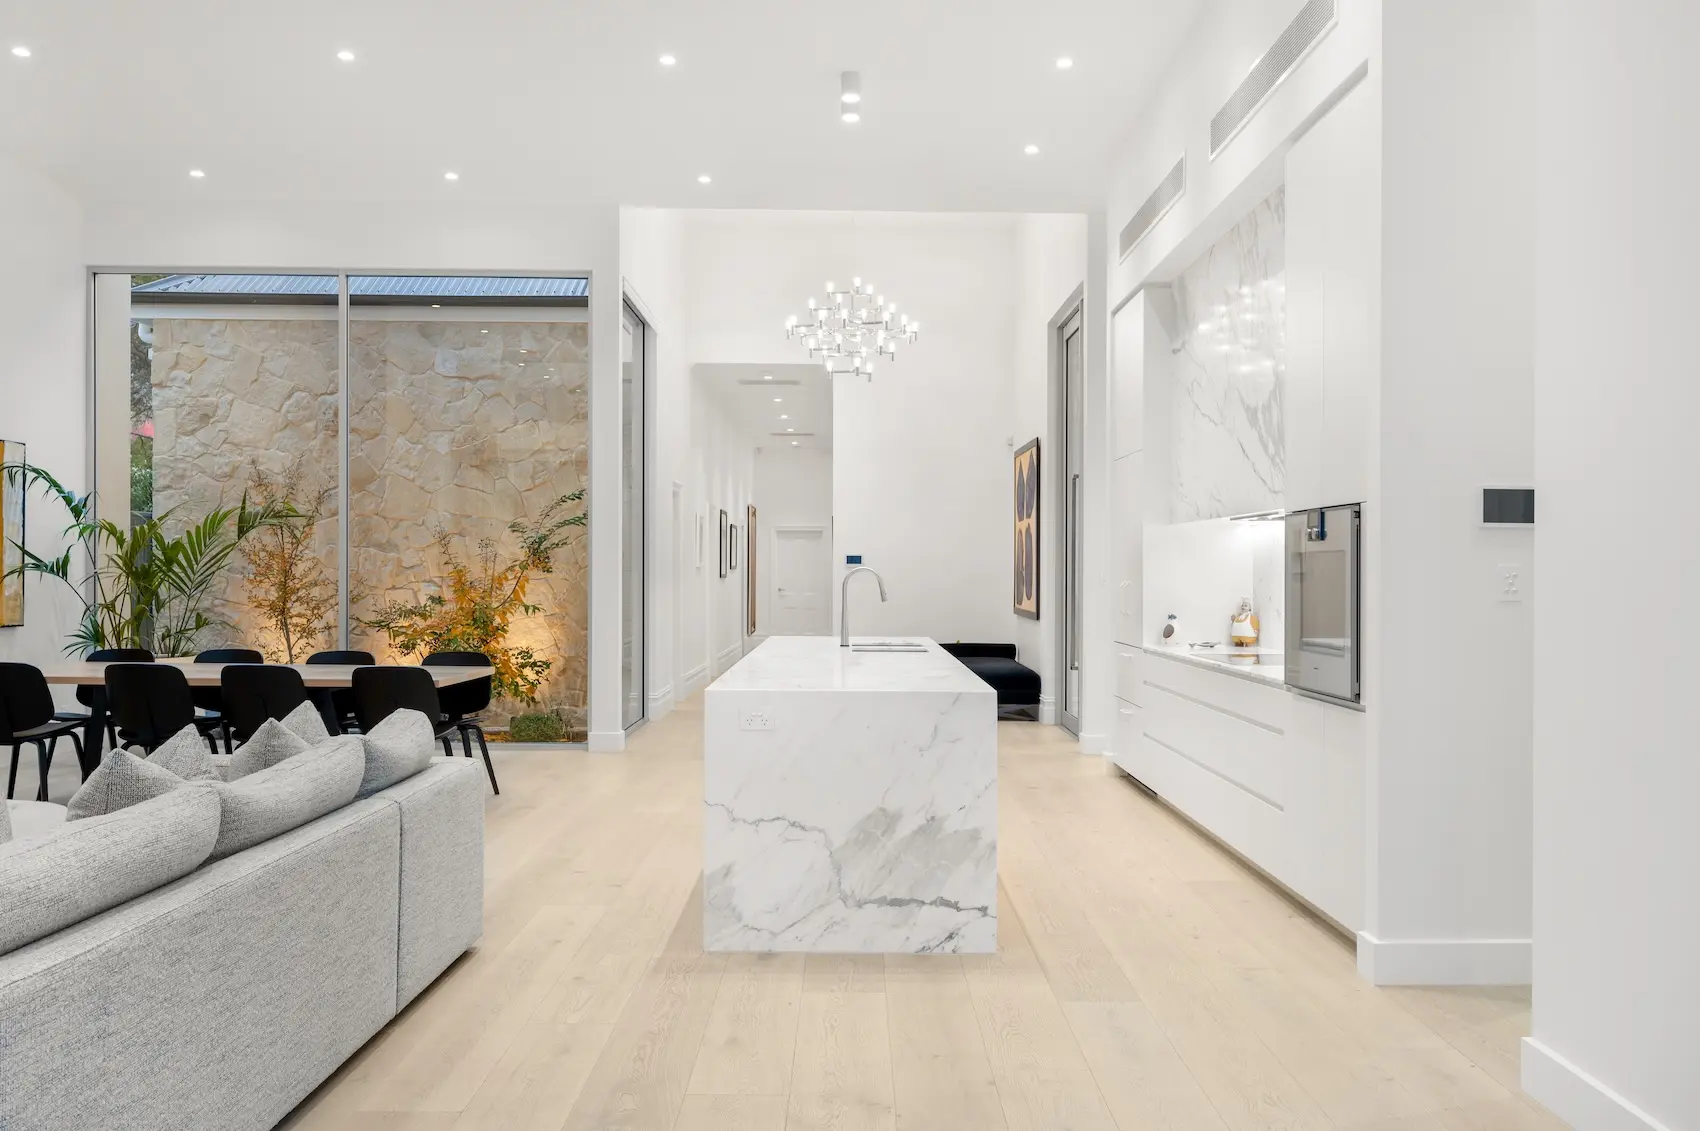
223, 998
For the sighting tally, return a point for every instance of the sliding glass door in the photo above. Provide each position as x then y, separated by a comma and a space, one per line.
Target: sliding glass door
633, 590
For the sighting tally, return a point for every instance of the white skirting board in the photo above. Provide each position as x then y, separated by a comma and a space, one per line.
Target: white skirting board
695, 680
1578, 1098
1444, 962
660, 703
1094, 743
607, 741
1048, 710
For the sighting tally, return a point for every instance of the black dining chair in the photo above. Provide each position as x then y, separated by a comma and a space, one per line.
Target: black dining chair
93, 695
254, 693
152, 702
211, 699
340, 699
26, 716
464, 702
382, 690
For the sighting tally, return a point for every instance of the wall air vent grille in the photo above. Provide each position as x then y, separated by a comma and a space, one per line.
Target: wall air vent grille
1313, 22
1156, 206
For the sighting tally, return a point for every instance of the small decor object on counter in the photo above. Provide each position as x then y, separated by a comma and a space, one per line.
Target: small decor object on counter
1172, 630
12, 535
1244, 630
1027, 530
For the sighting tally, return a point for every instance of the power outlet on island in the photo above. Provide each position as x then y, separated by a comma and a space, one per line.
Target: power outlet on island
757, 720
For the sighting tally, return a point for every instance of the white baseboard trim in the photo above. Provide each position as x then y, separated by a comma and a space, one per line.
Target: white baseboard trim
727, 658
694, 681
607, 741
1444, 962
1576, 1097
660, 703
1094, 743
1048, 710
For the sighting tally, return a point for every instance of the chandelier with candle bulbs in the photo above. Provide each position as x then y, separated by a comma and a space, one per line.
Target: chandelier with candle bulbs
852, 329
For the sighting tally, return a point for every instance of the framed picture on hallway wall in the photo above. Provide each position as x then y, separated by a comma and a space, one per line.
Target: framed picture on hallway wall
11, 535
1027, 530
725, 543
750, 568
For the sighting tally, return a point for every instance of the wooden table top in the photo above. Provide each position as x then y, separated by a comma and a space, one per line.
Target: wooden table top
207, 675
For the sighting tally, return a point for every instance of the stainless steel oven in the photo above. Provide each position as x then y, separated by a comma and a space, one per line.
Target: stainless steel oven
1324, 644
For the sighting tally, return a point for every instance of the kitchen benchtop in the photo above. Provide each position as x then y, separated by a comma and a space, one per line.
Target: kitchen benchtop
818, 663
1259, 665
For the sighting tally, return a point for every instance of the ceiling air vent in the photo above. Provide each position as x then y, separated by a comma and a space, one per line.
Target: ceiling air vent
1156, 206
1313, 22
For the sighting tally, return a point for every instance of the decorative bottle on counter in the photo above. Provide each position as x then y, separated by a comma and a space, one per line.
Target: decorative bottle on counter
1244, 630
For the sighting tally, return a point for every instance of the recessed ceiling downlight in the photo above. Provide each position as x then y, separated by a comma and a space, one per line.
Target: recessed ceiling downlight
705, 179
197, 173
851, 117
21, 51
668, 60
1065, 63
345, 55
1031, 151
451, 176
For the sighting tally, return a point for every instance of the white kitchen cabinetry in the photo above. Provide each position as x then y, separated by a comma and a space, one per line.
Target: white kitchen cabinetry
1127, 565
1277, 777
1333, 280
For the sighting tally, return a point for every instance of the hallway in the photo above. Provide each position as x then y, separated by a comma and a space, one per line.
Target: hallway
1145, 980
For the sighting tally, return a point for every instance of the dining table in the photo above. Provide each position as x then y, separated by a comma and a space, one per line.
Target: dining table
317, 677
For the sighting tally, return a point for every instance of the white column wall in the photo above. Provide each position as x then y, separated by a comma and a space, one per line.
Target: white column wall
44, 383
1617, 908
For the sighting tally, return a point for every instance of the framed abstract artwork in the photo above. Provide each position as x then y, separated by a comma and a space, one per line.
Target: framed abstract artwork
1027, 530
11, 536
725, 544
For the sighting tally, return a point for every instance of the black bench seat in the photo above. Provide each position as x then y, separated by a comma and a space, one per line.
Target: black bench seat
1017, 684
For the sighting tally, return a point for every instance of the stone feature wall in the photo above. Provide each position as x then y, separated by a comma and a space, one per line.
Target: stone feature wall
460, 425
469, 426
230, 395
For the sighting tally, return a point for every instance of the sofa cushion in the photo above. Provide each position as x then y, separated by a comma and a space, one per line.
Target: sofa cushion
48, 883
120, 781
30, 819
1015, 683
185, 754
297, 790
307, 724
271, 743
396, 749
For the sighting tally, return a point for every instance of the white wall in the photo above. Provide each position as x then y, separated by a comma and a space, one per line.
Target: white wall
1051, 268
1617, 908
724, 479
43, 384
361, 235
1453, 713
793, 487
921, 453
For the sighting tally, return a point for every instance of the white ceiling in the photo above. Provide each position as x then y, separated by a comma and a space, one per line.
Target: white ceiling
757, 396
564, 100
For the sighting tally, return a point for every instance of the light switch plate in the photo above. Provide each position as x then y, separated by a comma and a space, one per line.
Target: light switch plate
757, 720
1509, 580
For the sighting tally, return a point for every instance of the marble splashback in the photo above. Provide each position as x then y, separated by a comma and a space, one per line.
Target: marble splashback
1223, 409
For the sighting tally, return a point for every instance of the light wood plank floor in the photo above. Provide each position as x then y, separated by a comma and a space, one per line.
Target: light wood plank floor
1144, 980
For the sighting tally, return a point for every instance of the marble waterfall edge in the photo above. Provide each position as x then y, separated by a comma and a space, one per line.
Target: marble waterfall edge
864, 820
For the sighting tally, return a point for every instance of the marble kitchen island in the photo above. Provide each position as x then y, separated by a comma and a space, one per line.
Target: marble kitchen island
850, 800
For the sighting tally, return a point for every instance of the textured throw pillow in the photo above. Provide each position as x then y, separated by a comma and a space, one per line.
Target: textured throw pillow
120, 781
48, 883
186, 755
297, 790
271, 744
396, 749
307, 724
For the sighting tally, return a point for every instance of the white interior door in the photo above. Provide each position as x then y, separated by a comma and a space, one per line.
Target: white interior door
802, 577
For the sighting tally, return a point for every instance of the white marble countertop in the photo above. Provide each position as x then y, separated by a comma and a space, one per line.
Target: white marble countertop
1260, 665
819, 663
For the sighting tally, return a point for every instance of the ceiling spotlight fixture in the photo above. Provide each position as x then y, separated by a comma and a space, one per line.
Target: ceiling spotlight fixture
705, 179
850, 87
778, 400
668, 60
794, 443
21, 51
451, 176
785, 416
767, 376
345, 55
1065, 63
1031, 151
851, 329
197, 173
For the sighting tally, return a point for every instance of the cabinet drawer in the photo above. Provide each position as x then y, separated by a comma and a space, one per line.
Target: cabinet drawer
1129, 676
1128, 740
1241, 753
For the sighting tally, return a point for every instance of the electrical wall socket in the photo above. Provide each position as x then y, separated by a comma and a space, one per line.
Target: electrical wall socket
757, 720
1509, 579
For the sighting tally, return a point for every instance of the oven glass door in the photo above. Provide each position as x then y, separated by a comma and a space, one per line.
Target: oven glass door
1322, 602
